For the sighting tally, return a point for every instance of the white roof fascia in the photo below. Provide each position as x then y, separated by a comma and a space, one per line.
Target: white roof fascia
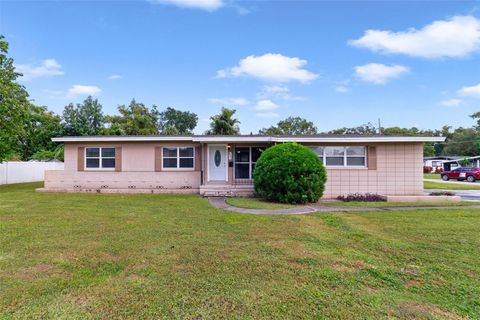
120, 139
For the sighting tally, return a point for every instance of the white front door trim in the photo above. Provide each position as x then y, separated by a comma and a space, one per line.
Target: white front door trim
208, 160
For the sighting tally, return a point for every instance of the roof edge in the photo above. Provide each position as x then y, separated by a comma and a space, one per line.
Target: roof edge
340, 138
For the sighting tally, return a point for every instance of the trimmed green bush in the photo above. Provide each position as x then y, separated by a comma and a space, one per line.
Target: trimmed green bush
289, 173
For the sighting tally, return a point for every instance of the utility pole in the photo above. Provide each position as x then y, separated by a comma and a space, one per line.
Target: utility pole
379, 127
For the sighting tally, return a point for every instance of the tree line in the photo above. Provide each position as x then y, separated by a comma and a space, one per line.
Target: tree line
26, 129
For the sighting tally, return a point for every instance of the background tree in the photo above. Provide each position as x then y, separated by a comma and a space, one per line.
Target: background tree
224, 123
13, 106
463, 142
291, 126
135, 119
176, 122
83, 119
40, 127
365, 129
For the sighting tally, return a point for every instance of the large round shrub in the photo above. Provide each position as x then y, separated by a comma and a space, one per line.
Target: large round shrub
289, 173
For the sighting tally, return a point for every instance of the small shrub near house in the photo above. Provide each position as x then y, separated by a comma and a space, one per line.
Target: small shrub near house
427, 169
363, 197
289, 173
438, 170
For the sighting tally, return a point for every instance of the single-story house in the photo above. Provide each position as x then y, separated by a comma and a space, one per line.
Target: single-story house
223, 165
437, 161
454, 163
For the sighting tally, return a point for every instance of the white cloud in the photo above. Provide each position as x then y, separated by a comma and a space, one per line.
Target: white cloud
208, 5
473, 91
451, 103
230, 101
114, 77
272, 67
266, 105
379, 73
48, 68
451, 38
342, 89
278, 92
267, 115
83, 90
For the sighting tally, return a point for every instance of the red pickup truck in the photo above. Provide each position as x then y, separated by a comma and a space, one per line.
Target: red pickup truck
471, 174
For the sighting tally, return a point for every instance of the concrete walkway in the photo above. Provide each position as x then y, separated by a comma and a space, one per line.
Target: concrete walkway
219, 202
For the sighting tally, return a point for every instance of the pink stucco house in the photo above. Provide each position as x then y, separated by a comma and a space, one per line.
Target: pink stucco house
223, 165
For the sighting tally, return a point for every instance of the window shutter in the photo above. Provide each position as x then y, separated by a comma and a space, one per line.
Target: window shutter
198, 158
372, 158
118, 158
158, 158
81, 159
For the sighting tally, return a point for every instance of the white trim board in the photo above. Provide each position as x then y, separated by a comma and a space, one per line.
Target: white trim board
250, 139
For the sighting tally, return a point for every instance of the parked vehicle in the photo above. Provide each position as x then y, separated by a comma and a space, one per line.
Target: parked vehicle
471, 174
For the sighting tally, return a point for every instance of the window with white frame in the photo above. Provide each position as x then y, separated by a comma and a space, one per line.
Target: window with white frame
245, 159
178, 157
100, 158
351, 156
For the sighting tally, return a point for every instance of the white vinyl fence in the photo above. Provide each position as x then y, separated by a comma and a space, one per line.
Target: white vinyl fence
17, 171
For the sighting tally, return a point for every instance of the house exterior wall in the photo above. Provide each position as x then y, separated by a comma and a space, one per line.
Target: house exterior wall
397, 171
137, 171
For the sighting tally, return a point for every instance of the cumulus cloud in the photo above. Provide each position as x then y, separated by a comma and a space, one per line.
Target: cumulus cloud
48, 68
473, 91
277, 92
456, 37
266, 105
451, 103
342, 89
83, 90
379, 73
229, 101
207, 5
267, 115
273, 67
114, 77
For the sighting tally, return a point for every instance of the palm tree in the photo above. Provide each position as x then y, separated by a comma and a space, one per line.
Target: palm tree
224, 123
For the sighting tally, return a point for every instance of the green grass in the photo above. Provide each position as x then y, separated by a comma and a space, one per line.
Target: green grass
396, 204
450, 186
93, 256
256, 203
431, 176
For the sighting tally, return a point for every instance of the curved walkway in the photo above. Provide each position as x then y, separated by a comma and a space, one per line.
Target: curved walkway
219, 202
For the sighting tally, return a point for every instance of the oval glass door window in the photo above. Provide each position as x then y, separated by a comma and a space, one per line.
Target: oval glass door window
217, 158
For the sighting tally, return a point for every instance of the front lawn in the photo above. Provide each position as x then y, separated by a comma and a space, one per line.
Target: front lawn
97, 256
431, 176
450, 186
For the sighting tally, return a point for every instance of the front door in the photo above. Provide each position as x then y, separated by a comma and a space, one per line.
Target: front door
217, 163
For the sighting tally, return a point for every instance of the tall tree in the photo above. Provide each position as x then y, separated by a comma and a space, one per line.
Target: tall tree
291, 126
13, 105
224, 123
136, 119
39, 128
176, 122
83, 119
464, 142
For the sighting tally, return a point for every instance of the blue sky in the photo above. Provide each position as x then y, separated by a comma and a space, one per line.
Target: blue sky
335, 63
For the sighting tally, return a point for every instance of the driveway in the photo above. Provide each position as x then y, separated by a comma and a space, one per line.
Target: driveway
468, 195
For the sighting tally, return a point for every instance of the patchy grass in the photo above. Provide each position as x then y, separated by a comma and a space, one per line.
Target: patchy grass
97, 256
431, 176
396, 204
450, 186
256, 203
